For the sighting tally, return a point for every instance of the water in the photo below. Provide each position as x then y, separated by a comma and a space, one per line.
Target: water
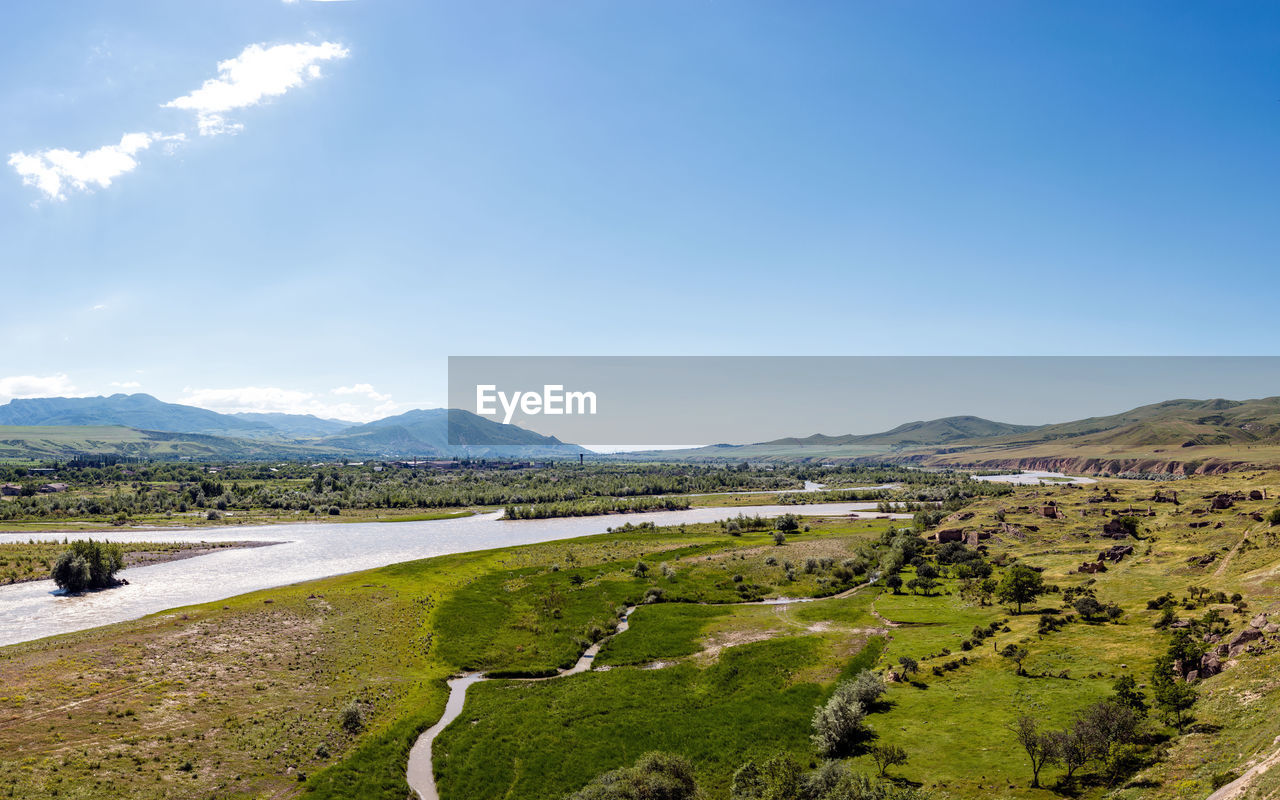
1032, 477
306, 551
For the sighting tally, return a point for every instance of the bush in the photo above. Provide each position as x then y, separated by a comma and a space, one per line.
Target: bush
352, 718
88, 565
838, 723
655, 776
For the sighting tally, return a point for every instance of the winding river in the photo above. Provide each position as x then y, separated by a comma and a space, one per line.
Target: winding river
305, 551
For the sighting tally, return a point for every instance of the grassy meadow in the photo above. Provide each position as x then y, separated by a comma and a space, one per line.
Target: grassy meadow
247, 697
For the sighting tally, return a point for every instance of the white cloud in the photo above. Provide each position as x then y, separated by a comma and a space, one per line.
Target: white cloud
126, 384
55, 171
362, 389
99, 306
36, 386
291, 401
257, 74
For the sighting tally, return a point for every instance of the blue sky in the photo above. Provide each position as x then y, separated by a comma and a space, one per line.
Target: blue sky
597, 178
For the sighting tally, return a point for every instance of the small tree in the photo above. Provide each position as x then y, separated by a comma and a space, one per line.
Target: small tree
867, 687
838, 723
1020, 584
1172, 696
1070, 748
1129, 695
894, 582
887, 755
909, 665
787, 523
1039, 746
87, 564
1017, 654
779, 538
1088, 608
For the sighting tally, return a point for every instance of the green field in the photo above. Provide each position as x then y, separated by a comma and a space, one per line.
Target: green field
244, 698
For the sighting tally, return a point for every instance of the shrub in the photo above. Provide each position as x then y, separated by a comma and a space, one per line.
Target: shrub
88, 565
838, 723
655, 776
779, 538
352, 718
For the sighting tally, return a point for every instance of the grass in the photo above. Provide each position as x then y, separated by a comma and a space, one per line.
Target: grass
247, 690
33, 561
541, 740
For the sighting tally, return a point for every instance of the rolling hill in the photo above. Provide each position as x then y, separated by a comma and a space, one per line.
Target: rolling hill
144, 412
1175, 436
821, 447
141, 426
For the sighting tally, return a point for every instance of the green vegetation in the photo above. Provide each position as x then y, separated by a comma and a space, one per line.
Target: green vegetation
333, 679
87, 564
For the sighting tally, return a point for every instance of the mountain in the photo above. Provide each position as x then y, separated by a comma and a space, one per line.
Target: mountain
144, 412
1175, 436
916, 434
72, 441
821, 447
302, 426
426, 433
139, 425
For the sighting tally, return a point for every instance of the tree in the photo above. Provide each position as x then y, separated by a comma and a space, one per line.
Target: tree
866, 688
887, 755
838, 723
1129, 695
909, 665
1171, 695
655, 776
894, 582
1020, 584
1039, 746
787, 523
779, 538
1017, 654
87, 564
1088, 608
1070, 749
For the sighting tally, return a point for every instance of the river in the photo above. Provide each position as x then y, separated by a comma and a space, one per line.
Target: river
306, 551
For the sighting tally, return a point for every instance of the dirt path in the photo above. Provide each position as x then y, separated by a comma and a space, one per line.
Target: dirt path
419, 772
1237, 788
1217, 573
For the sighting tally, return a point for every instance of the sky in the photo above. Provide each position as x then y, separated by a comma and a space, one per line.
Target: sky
308, 206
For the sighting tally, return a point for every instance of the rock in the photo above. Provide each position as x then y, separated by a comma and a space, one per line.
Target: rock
1244, 637
1271, 627
1258, 621
1257, 495
950, 535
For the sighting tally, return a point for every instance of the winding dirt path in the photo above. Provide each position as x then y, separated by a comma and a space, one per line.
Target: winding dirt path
1237, 788
419, 772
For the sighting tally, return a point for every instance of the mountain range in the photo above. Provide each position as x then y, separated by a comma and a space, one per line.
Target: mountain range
1175, 436
143, 426
1168, 437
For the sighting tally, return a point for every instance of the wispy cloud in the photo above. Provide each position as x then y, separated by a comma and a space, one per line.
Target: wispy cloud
58, 385
365, 404
257, 74
56, 171
126, 385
